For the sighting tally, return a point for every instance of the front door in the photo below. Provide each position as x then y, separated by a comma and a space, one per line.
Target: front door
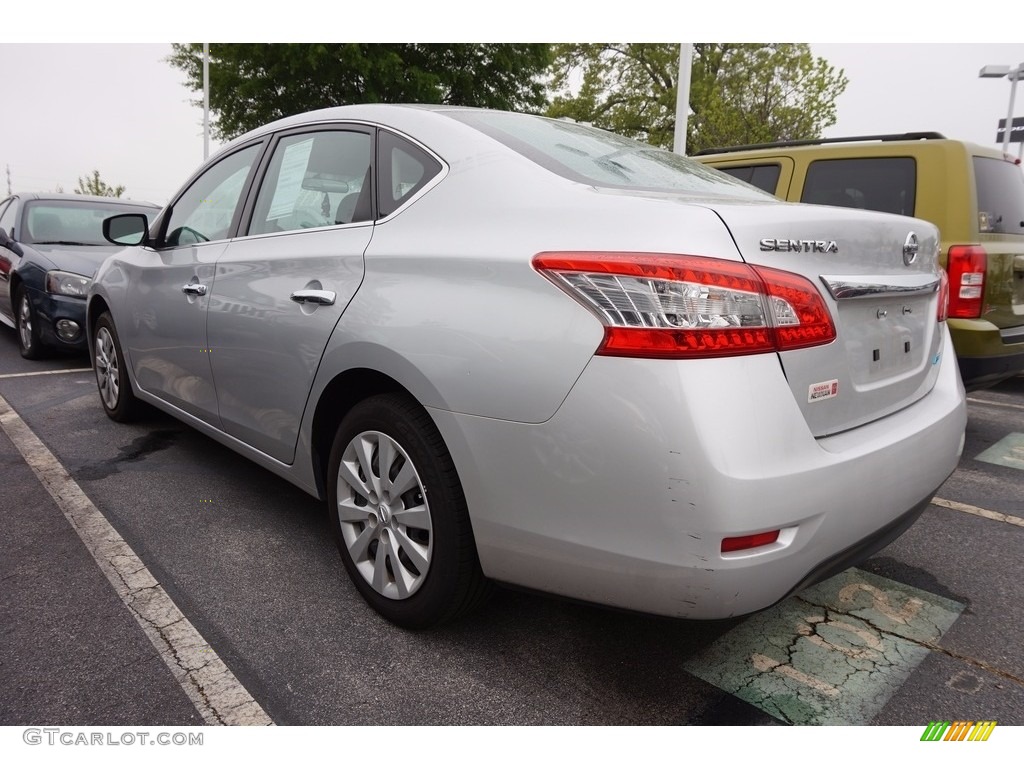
169, 290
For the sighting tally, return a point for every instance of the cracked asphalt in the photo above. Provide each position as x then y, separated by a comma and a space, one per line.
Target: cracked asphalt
249, 561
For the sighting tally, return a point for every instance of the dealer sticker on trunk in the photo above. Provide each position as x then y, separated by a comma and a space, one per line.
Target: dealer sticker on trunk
822, 390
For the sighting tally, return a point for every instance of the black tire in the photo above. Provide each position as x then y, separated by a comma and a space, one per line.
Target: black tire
419, 541
115, 389
29, 343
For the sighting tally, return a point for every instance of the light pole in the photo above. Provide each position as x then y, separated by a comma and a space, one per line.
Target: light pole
1003, 70
682, 98
206, 101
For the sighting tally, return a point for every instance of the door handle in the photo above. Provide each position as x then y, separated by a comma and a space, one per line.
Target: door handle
194, 289
310, 296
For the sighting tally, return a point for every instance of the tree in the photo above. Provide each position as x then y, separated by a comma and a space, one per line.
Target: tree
93, 185
740, 93
252, 84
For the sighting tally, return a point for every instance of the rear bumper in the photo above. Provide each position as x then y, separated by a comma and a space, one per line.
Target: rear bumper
984, 357
623, 497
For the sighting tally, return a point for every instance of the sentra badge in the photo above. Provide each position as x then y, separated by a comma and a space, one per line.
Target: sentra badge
799, 246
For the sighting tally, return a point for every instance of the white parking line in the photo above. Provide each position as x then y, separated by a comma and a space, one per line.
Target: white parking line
972, 510
44, 373
216, 693
995, 403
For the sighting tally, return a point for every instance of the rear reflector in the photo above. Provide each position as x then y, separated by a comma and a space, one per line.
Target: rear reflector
966, 266
943, 308
736, 543
669, 306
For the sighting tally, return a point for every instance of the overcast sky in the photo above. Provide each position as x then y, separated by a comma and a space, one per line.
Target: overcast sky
119, 108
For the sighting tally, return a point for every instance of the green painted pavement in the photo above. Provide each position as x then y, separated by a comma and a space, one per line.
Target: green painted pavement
1008, 452
832, 655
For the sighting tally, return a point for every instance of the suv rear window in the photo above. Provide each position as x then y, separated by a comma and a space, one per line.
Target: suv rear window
887, 184
1000, 196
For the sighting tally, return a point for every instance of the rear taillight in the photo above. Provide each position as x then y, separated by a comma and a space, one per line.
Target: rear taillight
661, 305
966, 267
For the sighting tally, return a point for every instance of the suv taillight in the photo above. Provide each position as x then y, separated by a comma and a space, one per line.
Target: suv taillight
966, 267
668, 306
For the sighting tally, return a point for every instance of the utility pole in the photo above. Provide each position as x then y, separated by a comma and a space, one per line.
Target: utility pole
9, 180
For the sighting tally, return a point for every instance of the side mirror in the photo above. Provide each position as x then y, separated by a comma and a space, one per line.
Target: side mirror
126, 228
8, 243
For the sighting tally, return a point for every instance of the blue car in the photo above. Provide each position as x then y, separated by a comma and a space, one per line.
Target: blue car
50, 248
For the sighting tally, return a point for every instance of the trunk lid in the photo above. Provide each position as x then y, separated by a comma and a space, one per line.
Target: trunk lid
882, 294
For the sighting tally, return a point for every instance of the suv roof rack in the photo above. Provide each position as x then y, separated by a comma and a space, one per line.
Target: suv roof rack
921, 135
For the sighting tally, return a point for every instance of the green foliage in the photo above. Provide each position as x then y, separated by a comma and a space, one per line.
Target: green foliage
252, 84
739, 93
93, 185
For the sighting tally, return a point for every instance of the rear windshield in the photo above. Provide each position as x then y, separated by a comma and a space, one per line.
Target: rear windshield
592, 156
1000, 196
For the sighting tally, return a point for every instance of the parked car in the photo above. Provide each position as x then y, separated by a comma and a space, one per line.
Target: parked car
505, 348
975, 195
50, 247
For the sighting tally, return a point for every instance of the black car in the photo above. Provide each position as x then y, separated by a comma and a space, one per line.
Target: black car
50, 247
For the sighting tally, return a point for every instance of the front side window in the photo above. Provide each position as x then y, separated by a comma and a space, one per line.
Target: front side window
315, 180
8, 216
1000, 196
887, 184
207, 208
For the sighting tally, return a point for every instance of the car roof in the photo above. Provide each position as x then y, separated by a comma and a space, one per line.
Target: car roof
65, 197
398, 116
836, 146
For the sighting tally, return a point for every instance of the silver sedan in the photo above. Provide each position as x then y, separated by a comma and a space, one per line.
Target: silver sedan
504, 348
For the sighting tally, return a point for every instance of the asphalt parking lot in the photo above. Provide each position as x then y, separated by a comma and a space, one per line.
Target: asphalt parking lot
928, 629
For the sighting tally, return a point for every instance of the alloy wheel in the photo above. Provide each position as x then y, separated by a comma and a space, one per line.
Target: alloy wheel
384, 515
107, 372
25, 322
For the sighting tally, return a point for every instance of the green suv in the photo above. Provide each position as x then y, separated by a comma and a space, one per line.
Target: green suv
974, 195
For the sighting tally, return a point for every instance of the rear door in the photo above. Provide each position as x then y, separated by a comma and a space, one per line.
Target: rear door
879, 277
281, 287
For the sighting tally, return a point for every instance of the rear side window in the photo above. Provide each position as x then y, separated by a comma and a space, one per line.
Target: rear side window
1000, 196
404, 170
764, 177
887, 184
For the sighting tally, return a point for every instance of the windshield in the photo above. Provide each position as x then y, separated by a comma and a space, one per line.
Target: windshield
592, 156
72, 222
